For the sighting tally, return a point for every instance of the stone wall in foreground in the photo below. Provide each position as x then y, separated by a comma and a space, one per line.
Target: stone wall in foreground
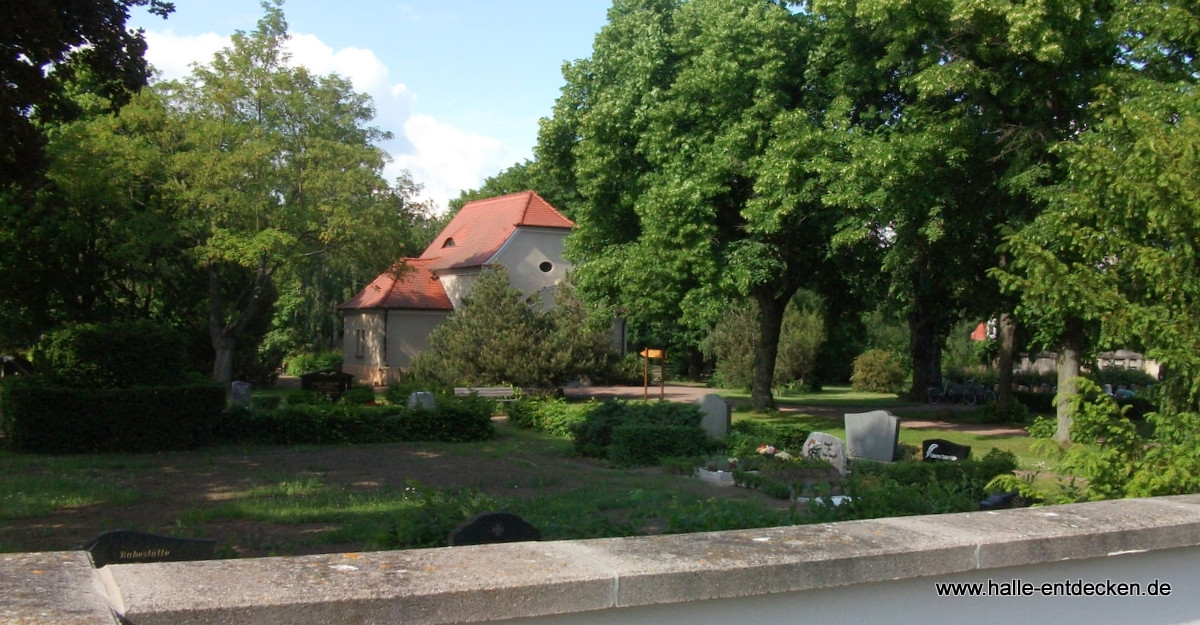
883, 570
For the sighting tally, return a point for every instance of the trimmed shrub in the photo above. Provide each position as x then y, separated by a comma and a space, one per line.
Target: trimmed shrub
551, 415
454, 420
300, 364
113, 355
44, 418
357, 396
878, 371
269, 402
594, 434
306, 398
643, 445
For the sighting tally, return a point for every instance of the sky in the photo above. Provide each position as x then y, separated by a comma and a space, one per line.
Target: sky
461, 85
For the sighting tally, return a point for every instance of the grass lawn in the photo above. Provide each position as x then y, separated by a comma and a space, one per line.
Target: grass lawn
833, 397
259, 501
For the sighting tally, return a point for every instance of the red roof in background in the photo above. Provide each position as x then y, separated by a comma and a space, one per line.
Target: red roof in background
414, 288
481, 228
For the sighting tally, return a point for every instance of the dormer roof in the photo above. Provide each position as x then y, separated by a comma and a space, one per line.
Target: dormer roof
408, 285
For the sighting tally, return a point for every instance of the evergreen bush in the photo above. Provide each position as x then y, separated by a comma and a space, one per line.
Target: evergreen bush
877, 371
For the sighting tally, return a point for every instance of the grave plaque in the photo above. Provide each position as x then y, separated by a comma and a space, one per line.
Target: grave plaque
128, 546
873, 435
241, 393
329, 382
493, 527
421, 399
827, 447
938, 450
717, 415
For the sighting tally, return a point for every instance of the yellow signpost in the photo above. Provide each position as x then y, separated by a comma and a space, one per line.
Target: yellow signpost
647, 354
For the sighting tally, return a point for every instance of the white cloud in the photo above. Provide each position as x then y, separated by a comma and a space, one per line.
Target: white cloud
445, 159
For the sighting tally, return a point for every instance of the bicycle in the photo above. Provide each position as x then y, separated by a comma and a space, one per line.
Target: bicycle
975, 392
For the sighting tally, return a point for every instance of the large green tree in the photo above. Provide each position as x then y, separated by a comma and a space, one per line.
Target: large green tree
51, 47
950, 109
672, 132
276, 166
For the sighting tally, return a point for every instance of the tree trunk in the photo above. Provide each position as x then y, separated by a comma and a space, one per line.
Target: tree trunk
1007, 338
924, 347
770, 322
1068, 377
223, 365
224, 335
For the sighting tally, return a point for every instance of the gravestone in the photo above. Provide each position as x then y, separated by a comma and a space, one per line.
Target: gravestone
128, 546
241, 393
822, 446
873, 435
938, 450
493, 527
330, 382
717, 415
421, 399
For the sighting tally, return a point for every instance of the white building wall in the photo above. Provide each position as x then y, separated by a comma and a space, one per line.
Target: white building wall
457, 283
363, 360
523, 255
408, 334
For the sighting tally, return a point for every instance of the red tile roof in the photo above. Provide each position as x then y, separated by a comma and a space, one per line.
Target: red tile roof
479, 230
409, 285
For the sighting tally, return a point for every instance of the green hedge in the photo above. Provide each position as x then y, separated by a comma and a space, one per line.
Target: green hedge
43, 418
113, 355
642, 445
454, 420
551, 415
594, 434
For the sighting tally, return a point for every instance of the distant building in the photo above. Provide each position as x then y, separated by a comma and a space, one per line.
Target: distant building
389, 321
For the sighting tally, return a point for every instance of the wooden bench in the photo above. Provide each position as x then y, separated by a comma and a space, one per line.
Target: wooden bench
498, 393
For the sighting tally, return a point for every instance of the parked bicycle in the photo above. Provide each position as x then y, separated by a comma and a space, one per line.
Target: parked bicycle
970, 393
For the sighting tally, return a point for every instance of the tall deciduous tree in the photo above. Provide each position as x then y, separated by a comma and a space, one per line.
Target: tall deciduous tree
50, 45
671, 132
277, 166
950, 110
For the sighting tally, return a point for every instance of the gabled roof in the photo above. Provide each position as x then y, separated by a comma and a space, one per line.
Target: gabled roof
409, 285
479, 230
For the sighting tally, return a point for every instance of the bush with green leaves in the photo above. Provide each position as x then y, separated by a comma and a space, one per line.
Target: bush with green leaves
645, 444
877, 371
42, 417
357, 396
497, 337
113, 355
1118, 460
552, 415
453, 420
308, 362
593, 436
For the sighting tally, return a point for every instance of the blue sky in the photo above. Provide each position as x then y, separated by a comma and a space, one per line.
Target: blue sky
460, 84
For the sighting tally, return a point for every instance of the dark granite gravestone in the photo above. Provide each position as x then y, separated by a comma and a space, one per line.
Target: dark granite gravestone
240, 392
999, 501
938, 450
126, 546
329, 382
493, 527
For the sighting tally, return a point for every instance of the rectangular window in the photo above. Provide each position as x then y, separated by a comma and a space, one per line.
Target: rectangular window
360, 340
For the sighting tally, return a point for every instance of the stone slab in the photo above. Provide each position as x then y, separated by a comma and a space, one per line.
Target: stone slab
51, 588
457, 584
718, 417
493, 582
421, 399
827, 447
872, 435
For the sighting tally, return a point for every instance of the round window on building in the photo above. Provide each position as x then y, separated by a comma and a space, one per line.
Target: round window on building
545, 266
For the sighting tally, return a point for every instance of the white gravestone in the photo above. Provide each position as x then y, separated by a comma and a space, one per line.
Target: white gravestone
422, 400
872, 435
241, 393
717, 416
822, 446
